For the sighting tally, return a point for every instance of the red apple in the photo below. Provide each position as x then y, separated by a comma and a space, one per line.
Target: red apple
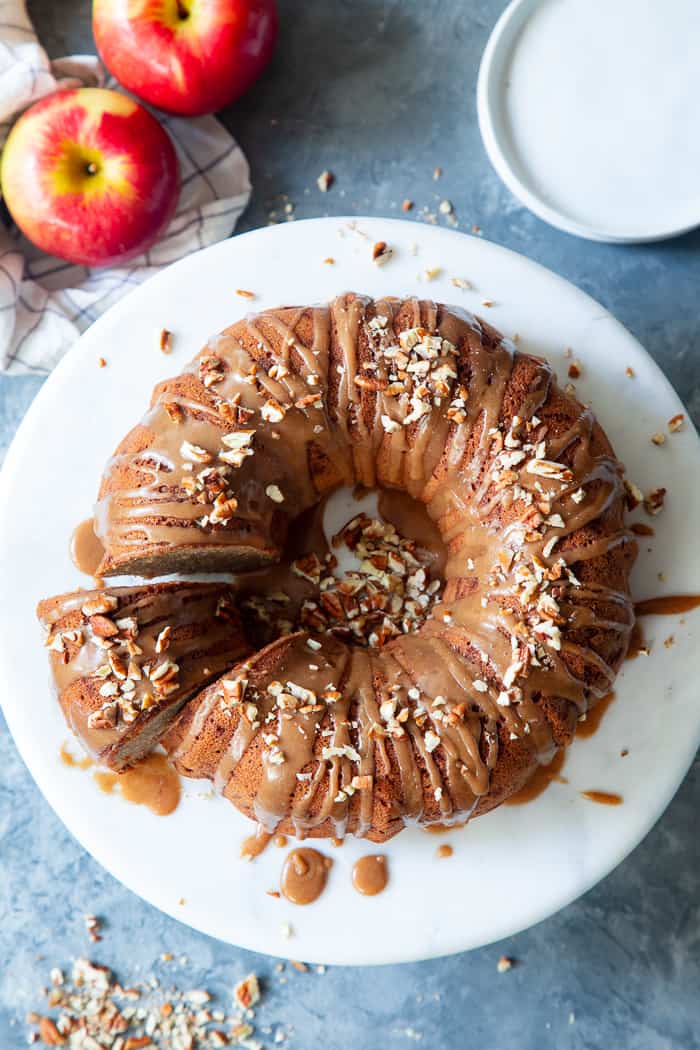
89, 175
185, 56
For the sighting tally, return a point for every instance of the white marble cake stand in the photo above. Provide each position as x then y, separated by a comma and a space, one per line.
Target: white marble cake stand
509, 869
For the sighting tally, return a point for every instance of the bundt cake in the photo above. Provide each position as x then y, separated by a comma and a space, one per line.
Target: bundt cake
437, 718
126, 659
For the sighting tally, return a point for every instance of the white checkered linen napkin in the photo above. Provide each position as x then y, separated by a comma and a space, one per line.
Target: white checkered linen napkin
45, 303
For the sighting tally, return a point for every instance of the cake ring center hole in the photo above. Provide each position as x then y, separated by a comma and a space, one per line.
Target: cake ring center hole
362, 566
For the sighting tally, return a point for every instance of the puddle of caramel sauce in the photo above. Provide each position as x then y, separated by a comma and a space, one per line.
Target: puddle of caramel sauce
443, 829
667, 605
594, 717
412, 521
604, 798
254, 844
444, 851
70, 760
640, 529
370, 874
306, 536
152, 782
86, 551
540, 781
304, 875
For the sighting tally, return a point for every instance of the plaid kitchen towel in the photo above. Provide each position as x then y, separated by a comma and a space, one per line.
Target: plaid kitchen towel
45, 303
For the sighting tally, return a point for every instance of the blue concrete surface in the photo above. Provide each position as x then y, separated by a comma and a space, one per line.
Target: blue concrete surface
382, 92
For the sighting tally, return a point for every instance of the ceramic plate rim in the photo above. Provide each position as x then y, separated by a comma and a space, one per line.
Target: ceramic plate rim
494, 137
451, 942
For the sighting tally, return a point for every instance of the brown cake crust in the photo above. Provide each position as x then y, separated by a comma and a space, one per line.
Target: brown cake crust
447, 722
197, 750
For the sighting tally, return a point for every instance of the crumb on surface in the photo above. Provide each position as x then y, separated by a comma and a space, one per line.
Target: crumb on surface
247, 992
93, 925
325, 181
94, 1010
381, 253
654, 501
461, 282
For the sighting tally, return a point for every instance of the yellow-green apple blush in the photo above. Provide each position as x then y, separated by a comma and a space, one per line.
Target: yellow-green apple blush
90, 176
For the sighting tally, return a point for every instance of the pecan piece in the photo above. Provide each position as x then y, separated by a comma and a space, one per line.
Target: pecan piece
102, 626
49, 1033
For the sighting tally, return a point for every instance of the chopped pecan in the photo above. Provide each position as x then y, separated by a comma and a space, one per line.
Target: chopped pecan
381, 253
49, 1033
102, 626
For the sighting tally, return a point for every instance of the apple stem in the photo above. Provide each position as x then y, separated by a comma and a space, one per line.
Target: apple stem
182, 9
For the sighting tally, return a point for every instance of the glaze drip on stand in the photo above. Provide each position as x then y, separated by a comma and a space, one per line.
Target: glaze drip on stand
370, 875
304, 875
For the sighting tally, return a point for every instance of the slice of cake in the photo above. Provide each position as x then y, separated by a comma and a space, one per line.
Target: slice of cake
125, 659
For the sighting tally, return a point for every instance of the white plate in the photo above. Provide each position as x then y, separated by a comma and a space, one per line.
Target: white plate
588, 111
509, 869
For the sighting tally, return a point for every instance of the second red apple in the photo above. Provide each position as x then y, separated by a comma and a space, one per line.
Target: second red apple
186, 56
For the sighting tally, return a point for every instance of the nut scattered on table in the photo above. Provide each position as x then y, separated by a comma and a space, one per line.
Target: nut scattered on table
325, 181
381, 253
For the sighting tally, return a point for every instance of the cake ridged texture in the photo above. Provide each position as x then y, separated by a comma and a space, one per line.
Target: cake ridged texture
125, 659
316, 737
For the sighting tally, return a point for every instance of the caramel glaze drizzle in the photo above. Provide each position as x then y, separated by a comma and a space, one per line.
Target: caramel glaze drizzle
667, 605
85, 549
477, 667
204, 638
540, 781
604, 798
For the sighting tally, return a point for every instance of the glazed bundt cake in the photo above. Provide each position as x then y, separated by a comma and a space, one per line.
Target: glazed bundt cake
316, 734
125, 659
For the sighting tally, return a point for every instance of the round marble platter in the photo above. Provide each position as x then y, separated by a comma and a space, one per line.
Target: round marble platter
509, 869
578, 129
